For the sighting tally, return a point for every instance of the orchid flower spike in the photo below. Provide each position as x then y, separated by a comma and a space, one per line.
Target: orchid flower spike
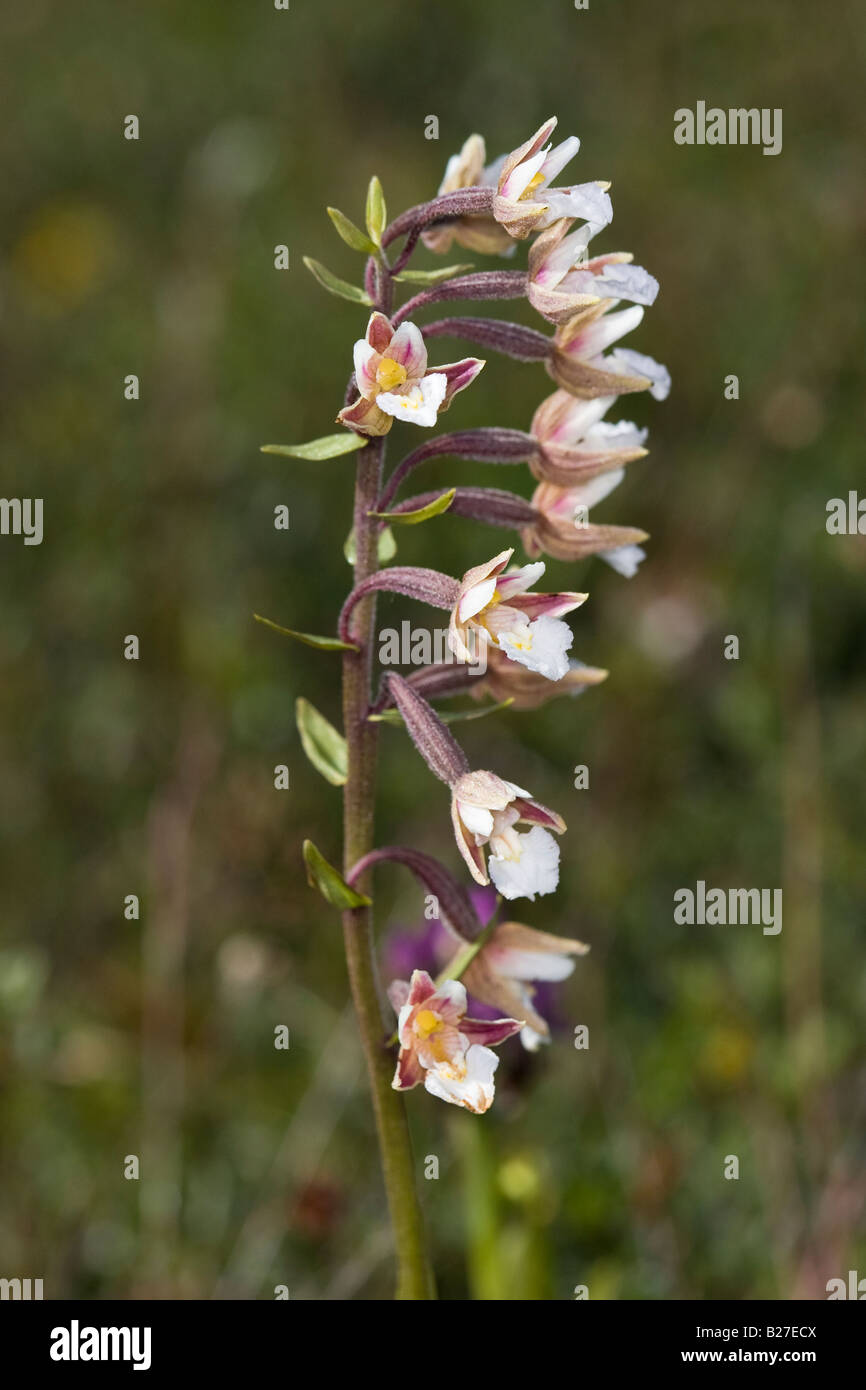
525, 201
392, 377
562, 529
443, 1048
562, 280
514, 955
578, 364
479, 232
485, 809
499, 609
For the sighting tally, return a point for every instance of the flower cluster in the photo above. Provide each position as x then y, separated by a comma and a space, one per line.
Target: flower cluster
587, 302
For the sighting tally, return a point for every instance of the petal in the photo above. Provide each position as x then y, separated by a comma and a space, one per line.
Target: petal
449, 1001
475, 599
536, 870
559, 156
549, 605
585, 200
475, 1090
421, 988
534, 813
420, 404
519, 580
409, 1071
365, 417
407, 348
477, 819
398, 994
472, 853
638, 362
490, 1032
625, 559
547, 650
459, 375
379, 331
366, 359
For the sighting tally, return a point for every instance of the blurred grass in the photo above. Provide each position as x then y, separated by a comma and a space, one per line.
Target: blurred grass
156, 258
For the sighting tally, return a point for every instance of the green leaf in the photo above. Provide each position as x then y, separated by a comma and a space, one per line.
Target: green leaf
334, 285
386, 548
323, 644
323, 744
332, 886
435, 508
352, 235
393, 716
431, 277
377, 216
329, 446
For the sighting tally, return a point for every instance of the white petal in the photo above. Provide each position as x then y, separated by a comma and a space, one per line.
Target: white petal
591, 493
519, 580
623, 434
531, 1040
520, 178
559, 156
545, 652
475, 1090
519, 964
608, 329
455, 993
625, 559
366, 379
638, 364
585, 200
476, 598
476, 818
420, 404
536, 870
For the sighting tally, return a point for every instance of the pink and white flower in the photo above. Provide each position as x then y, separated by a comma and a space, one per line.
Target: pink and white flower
578, 363
575, 443
502, 973
485, 811
443, 1048
562, 528
563, 280
525, 202
500, 611
392, 377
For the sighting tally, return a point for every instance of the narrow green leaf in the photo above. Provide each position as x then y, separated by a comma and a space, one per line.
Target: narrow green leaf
435, 508
352, 235
323, 744
329, 446
377, 216
332, 886
334, 285
386, 548
322, 644
393, 716
431, 277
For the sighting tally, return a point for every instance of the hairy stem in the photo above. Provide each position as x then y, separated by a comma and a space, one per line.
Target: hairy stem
414, 1277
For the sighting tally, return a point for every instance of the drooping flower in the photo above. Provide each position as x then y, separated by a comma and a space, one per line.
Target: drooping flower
514, 956
392, 377
525, 201
505, 680
562, 529
498, 608
480, 232
485, 811
575, 443
562, 281
578, 363
443, 1048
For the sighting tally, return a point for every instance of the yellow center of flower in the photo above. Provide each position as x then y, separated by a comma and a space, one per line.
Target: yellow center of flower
390, 374
426, 1022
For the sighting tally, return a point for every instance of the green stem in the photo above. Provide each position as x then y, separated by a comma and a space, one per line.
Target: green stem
414, 1276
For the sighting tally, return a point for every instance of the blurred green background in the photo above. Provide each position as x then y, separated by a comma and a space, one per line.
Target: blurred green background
155, 1037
